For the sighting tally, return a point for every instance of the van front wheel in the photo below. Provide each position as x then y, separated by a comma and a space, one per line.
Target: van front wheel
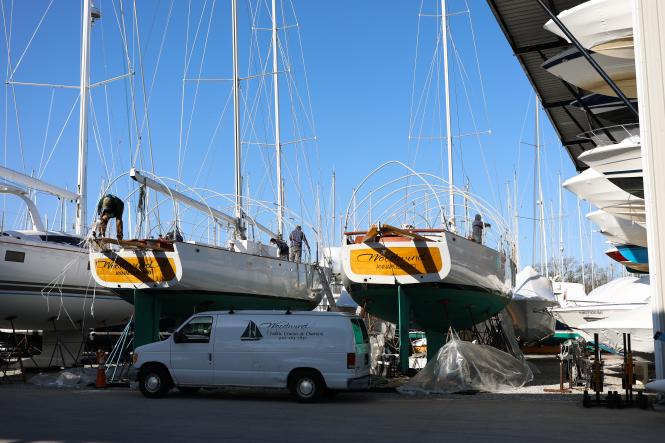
307, 386
154, 382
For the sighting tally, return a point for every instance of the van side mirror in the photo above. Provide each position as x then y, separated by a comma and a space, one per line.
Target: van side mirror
179, 337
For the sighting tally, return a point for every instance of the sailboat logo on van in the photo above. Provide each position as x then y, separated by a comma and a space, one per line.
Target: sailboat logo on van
251, 332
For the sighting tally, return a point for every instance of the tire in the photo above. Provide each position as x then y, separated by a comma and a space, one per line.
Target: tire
307, 386
188, 390
155, 382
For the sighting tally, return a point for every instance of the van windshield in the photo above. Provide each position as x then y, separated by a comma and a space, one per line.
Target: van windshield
359, 331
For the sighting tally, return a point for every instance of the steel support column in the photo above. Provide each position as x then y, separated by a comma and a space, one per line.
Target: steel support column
649, 35
147, 312
403, 328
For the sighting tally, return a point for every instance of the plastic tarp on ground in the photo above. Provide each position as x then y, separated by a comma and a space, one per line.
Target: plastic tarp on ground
462, 366
68, 378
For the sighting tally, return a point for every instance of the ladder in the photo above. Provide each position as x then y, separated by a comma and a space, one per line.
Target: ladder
325, 285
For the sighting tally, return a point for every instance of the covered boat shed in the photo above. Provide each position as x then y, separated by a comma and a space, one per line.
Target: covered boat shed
522, 23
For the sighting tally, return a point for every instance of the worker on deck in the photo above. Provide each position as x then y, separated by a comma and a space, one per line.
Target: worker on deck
110, 207
282, 247
478, 227
297, 238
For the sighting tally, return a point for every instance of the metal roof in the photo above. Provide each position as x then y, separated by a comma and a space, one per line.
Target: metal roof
522, 23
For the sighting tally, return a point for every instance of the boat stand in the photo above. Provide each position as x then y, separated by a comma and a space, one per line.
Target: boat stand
147, 311
403, 324
15, 353
59, 348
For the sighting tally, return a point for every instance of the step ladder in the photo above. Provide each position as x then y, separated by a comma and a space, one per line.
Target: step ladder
327, 290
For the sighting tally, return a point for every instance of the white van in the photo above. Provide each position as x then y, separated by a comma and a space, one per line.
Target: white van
306, 352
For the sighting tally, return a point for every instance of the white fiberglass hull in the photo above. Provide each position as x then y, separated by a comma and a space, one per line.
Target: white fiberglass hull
605, 25
621, 157
195, 268
619, 230
637, 322
574, 316
46, 280
597, 189
572, 67
454, 260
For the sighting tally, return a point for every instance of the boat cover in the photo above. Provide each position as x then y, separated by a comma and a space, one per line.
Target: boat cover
529, 284
462, 366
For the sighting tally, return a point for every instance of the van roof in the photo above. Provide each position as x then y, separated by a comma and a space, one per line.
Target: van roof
281, 312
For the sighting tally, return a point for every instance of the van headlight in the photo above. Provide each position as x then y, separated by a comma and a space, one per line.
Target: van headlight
135, 358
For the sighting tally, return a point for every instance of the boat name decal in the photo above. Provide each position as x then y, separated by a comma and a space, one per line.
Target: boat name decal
135, 269
396, 261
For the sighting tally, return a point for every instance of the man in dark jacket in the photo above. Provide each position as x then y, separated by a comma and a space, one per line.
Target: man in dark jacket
110, 207
478, 227
297, 238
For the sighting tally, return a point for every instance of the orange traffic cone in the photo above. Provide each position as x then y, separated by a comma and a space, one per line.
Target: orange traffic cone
101, 370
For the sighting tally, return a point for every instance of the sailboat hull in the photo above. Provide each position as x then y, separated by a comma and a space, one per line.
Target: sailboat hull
473, 283
47, 284
196, 276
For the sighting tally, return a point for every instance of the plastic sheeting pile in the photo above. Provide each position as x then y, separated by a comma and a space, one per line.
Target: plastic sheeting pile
68, 378
462, 366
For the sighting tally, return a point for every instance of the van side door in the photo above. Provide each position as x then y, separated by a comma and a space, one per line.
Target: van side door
192, 352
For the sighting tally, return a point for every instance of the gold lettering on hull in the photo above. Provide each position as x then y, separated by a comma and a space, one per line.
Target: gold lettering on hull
135, 269
396, 261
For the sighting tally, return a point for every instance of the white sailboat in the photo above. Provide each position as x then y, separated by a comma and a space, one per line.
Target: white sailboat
425, 270
53, 269
45, 282
185, 276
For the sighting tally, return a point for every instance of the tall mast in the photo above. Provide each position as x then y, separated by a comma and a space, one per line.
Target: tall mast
334, 190
543, 254
82, 173
560, 230
236, 122
278, 141
449, 139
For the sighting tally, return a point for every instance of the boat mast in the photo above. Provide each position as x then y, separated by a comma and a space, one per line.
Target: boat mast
560, 231
278, 141
449, 139
82, 173
239, 229
541, 202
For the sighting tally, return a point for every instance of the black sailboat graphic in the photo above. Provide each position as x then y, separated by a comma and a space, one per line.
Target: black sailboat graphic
251, 332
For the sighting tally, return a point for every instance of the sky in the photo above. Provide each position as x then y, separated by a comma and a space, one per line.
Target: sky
361, 68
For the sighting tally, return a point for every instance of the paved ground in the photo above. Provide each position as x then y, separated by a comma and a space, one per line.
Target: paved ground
29, 413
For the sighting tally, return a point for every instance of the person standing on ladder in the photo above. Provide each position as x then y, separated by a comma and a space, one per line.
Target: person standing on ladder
110, 207
297, 238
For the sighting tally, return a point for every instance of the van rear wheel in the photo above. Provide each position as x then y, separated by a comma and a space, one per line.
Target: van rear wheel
154, 382
307, 386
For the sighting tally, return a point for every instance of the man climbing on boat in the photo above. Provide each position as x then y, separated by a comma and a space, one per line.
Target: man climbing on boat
282, 246
297, 238
110, 207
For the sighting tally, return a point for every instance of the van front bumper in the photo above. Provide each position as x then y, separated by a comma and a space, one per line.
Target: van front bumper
358, 384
